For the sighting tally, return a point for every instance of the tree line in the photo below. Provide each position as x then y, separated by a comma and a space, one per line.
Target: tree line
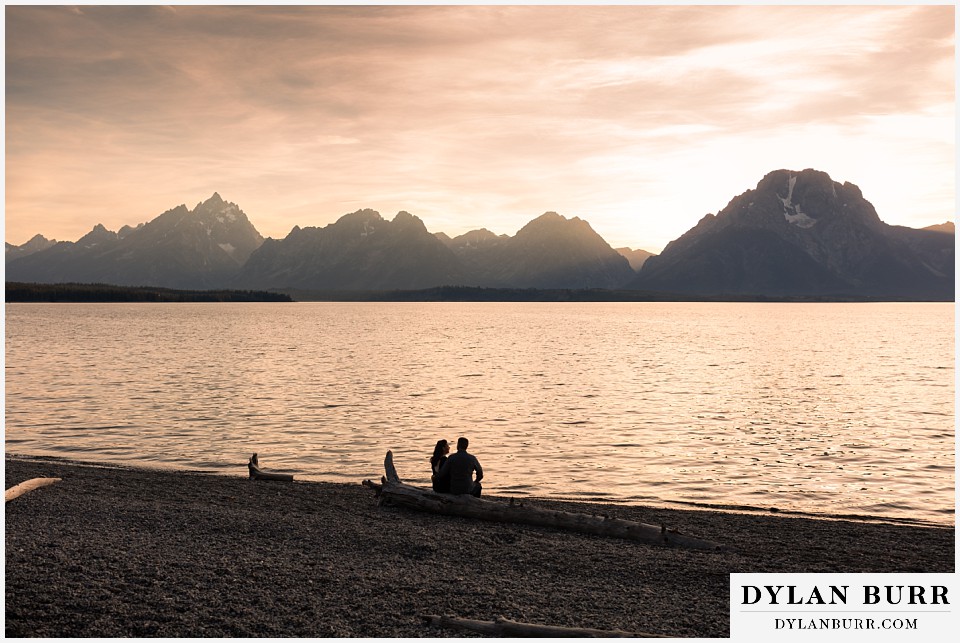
95, 293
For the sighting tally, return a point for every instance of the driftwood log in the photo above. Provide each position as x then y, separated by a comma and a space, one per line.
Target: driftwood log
28, 485
392, 491
257, 474
512, 629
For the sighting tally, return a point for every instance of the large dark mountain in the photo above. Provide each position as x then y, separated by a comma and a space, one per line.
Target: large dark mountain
181, 248
549, 252
361, 251
803, 234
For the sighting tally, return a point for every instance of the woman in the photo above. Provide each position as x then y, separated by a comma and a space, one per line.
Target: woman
436, 461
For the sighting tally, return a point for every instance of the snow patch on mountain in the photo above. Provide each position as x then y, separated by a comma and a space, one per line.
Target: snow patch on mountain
800, 218
228, 214
791, 211
788, 201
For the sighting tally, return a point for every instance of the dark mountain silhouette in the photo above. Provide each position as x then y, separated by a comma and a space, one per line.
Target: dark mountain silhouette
797, 234
361, 251
181, 248
802, 234
549, 252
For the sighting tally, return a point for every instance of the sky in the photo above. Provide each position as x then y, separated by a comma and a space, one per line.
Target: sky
638, 119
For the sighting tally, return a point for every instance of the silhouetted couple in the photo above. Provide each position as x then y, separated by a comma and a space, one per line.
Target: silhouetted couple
455, 474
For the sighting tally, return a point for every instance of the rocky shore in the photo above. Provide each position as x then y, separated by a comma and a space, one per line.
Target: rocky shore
139, 553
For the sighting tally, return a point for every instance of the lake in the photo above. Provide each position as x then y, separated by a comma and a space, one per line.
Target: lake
827, 409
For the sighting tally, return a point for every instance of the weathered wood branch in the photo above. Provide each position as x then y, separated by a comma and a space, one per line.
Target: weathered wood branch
28, 485
393, 491
257, 474
506, 628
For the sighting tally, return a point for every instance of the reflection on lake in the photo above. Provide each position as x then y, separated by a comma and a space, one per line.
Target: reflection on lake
823, 408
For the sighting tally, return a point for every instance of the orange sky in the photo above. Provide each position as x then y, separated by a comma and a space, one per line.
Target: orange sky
639, 119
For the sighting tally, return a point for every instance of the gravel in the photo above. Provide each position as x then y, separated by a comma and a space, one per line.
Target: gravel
113, 552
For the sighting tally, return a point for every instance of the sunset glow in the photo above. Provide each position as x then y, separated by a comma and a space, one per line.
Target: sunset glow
639, 119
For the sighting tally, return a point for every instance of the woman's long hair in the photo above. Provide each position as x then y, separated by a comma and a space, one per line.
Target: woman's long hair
438, 451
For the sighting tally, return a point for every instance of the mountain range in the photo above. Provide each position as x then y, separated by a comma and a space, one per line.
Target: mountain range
181, 248
797, 234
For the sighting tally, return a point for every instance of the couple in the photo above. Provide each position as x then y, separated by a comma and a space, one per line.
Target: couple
455, 474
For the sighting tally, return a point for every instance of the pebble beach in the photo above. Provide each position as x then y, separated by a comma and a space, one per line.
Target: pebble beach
125, 552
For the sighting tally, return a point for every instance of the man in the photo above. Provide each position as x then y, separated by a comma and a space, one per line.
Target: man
459, 468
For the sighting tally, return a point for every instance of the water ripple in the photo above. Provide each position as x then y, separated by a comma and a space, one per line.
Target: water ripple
823, 409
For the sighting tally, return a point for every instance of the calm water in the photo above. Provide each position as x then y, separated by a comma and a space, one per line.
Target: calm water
840, 409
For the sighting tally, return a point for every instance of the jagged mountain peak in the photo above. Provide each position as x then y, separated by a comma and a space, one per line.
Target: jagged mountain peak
554, 223
361, 224
475, 240
365, 212
97, 236
38, 241
216, 208
476, 236
779, 179
406, 220
810, 196
214, 201
551, 217
362, 215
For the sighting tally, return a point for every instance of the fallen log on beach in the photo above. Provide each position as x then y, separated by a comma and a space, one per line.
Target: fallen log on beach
28, 485
257, 474
392, 491
506, 628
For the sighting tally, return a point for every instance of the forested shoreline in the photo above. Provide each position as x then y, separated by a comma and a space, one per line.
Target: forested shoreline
17, 292
93, 293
